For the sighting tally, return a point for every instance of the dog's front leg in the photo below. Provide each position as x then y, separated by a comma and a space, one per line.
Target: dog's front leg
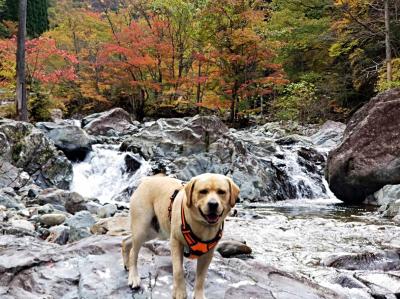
203, 263
179, 289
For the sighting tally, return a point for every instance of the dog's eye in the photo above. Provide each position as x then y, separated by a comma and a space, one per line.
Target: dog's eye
221, 192
204, 191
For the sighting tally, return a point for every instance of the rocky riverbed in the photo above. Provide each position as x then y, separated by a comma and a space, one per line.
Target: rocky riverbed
64, 189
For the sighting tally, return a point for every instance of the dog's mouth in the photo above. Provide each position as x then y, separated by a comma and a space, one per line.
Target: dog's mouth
211, 218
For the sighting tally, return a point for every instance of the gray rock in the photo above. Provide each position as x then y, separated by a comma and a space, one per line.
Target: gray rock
29, 191
52, 219
257, 163
132, 164
27, 148
391, 209
9, 199
93, 207
58, 234
383, 261
62, 200
329, 135
80, 225
22, 224
232, 248
11, 176
110, 123
72, 140
107, 211
176, 137
82, 219
368, 159
387, 194
92, 268
45, 209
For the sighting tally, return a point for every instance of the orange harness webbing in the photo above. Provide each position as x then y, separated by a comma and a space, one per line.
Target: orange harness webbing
196, 247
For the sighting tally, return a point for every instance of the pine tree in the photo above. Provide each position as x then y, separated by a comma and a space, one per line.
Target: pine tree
37, 18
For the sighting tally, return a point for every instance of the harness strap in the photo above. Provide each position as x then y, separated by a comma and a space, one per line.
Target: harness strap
196, 246
172, 198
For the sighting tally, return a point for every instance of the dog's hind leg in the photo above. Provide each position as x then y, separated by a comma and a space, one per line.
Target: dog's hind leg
126, 247
142, 231
137, 241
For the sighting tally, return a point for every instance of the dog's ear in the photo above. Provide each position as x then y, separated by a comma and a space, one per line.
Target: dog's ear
189, 192
233, 192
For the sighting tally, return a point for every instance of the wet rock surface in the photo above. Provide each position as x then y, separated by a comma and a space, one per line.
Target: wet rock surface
262, 159
368, 159
115, 122
92, 268
30, 151
71, 139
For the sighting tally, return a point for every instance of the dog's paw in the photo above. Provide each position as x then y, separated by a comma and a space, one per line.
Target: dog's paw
199, 295
179, 294
134, 282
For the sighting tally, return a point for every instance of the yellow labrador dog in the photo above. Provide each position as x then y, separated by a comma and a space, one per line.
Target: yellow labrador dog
191, 215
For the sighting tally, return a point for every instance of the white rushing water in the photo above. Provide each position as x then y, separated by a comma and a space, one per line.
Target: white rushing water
103, 174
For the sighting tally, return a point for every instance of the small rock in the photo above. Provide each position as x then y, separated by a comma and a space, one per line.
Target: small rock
93, 207
9, 199
79, 225
107, 211
75, 203
231, 248
391, 210
115, 226
22, 224
132, 164
52, 219
58, 234
82, 219
62, 200
29, 191
46, 209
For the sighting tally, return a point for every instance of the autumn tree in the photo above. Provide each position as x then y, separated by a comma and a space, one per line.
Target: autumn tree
242, 53
363, 29
47, 66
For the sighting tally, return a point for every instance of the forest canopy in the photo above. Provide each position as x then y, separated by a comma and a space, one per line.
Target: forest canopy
306, 60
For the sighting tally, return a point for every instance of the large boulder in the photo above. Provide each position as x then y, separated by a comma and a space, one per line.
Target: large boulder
368, 157
29, 150
265, 164
114, 122
71, 139
166, 138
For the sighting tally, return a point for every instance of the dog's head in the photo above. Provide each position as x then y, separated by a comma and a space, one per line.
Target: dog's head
210, 197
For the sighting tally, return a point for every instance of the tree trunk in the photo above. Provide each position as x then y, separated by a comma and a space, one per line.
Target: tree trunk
387, 43
21, 104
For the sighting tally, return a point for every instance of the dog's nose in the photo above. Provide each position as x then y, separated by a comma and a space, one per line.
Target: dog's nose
213, 205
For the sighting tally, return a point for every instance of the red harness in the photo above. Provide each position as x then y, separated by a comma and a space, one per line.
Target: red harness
196, 247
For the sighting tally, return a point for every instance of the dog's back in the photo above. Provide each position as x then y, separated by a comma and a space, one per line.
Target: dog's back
149, 205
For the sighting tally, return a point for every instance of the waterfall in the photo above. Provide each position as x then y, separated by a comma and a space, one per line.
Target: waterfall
104, 175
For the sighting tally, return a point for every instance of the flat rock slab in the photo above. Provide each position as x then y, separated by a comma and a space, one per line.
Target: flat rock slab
92, 268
